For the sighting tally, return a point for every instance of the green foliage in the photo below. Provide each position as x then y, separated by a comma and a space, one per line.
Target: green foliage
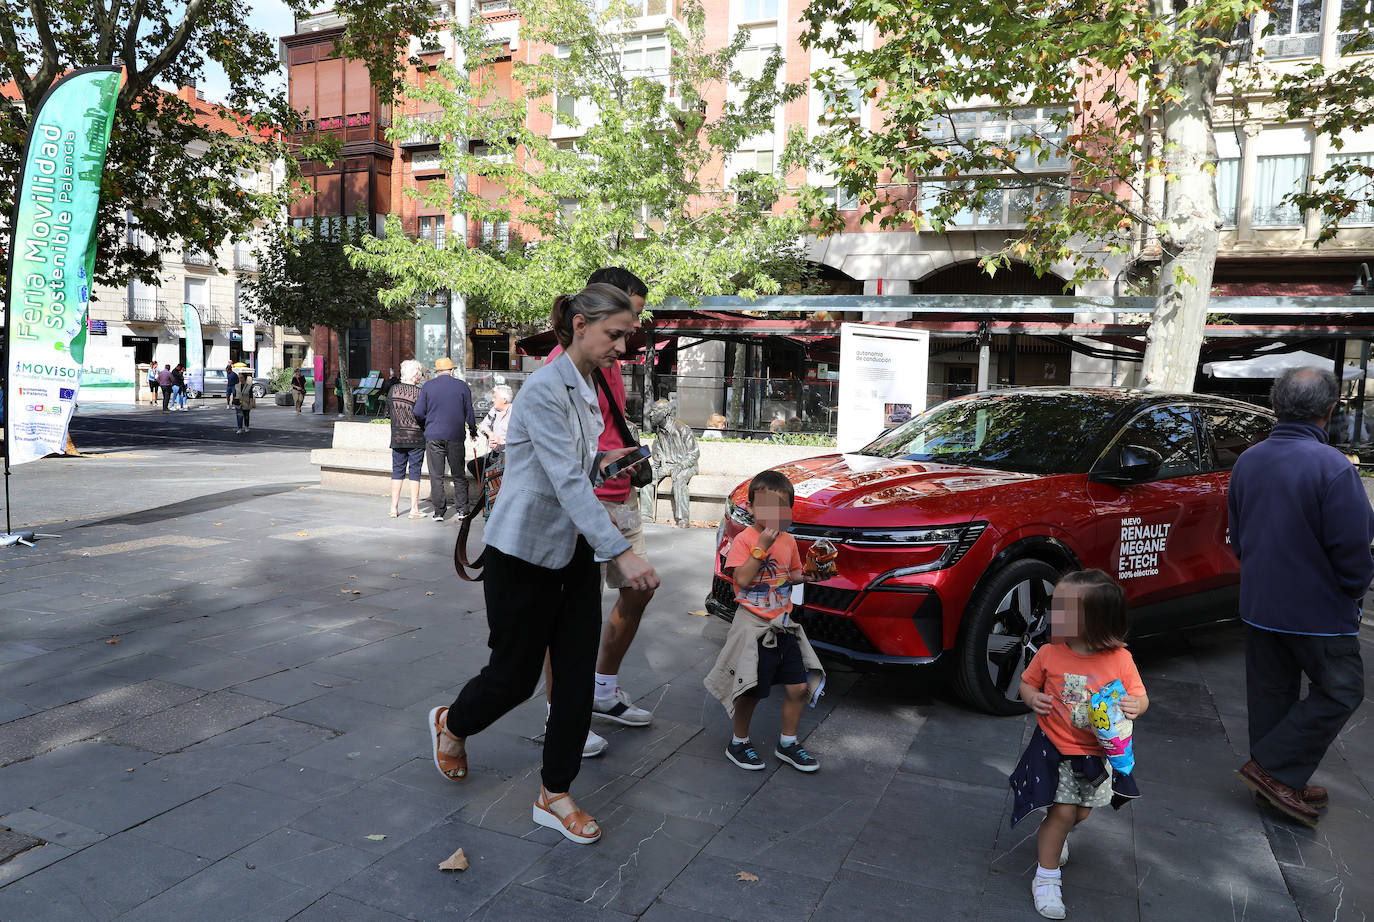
1080, 168
177, 177
645, 154
280, 378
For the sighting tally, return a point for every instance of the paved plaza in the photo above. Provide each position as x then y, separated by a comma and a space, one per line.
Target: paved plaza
213, 695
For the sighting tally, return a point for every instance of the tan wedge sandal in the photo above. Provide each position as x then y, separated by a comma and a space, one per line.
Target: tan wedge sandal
452, 767
577, 827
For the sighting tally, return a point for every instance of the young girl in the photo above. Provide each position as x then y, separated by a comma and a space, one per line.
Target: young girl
1063, 767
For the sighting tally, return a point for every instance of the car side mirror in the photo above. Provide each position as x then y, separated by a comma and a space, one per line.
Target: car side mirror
1129, 464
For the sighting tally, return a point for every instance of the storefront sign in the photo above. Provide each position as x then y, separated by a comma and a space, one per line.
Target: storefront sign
883, 376
487, 331
53, 248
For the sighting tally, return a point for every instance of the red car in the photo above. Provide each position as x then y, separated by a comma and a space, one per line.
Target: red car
953, 527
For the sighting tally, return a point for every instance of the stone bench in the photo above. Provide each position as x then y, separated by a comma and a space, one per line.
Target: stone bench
359, 461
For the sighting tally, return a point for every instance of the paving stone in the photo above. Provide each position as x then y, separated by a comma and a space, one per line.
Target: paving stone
521, 904
178, 727
31, 736
341, 713
51, 829
639, 854
1225, 896
852, 895
234, 755
1323, 894
777, 832
711, 885
377, 808
918, 804
35, 859
334, 908
308, 785
98, 883
408, 881
303, 859
292, 686
669, 912
229, 892
222, 821
24, 784
114, 803
13, 843
1204, 852
223, 673
367, 753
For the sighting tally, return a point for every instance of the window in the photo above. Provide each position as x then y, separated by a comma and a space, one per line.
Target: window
198, 291
645, 55
759, 10
838, 197
1228, 189
497, 233
1357, 18
493, 6
1275, 178
568, 209
1168, 431
1296, 29
432, 230
1010, 205
1357, 188
1036, 135
759, 159
1231, 432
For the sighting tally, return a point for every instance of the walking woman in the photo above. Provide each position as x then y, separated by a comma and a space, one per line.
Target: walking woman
407, 438
546, 533
243, 399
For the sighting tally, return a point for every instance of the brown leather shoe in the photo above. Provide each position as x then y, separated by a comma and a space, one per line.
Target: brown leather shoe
1314, 796
1282, 797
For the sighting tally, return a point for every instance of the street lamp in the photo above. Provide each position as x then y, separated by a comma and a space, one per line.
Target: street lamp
1363, 281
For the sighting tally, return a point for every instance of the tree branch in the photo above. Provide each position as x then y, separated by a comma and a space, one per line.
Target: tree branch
18, 73
48, 69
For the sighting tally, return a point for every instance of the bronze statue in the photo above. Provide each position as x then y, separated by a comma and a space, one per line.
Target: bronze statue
675, 454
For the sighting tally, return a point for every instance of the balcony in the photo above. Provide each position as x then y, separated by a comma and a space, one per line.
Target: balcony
420, 135
245, 259
192, 258
147, 310
213, 316
1294, 45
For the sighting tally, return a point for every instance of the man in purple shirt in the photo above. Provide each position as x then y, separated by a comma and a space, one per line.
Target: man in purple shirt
164, 381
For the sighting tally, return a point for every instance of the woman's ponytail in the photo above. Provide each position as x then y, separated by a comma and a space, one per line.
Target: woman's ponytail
561, 318
595, 302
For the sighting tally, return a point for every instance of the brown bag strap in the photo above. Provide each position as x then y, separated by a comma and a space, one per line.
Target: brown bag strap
461, 564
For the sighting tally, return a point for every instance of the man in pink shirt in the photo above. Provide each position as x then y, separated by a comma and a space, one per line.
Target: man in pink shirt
622, 504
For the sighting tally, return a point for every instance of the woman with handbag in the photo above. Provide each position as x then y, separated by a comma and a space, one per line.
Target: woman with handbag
407, 438
243, 399
544, 538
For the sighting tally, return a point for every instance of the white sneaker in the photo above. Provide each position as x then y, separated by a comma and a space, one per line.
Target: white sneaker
594, 746
1049, 897
619, 709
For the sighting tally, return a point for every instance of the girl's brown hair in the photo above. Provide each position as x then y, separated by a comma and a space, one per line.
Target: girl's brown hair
595, 302
1102, 612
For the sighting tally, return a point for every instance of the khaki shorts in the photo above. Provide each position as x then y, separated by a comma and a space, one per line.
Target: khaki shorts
626, 517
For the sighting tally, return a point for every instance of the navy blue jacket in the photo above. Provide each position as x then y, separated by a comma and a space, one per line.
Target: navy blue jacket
445, 408
1301, 525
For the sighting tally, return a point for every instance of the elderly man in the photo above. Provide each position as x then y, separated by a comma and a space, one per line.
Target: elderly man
1301, 525
444, 408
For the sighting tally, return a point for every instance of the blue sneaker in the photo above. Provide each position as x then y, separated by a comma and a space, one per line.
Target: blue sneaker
743, 755
797, 757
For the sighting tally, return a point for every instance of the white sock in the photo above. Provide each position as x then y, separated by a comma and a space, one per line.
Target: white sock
736, 740
606, 685
1047, 873
787, 740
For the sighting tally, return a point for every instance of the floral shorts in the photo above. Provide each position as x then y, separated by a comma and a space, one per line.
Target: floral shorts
1074, 790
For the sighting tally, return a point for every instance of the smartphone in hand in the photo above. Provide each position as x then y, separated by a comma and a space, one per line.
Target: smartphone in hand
623, 464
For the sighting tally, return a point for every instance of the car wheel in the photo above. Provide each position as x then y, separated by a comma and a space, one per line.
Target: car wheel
258, 391
1005, 623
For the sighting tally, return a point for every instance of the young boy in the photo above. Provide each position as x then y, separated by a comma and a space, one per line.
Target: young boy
765, 647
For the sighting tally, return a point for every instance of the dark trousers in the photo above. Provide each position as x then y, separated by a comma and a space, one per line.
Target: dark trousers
1290, 735
450, 453
166, 395
531, 609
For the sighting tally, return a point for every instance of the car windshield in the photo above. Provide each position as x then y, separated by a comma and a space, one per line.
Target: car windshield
1030, 433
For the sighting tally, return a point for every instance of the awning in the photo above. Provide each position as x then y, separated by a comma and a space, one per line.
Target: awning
1275, 364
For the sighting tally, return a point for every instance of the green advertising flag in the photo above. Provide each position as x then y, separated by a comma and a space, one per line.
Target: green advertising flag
52, 259
195, 349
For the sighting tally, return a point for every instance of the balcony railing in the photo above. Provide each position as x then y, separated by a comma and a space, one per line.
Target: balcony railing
211, 316
244, 259
1298, 45
194, 258
420, 135
146, 310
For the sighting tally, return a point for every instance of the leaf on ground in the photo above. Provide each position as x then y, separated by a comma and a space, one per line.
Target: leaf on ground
113, 640
700, 612
455, 862
376, 837
302, 534
352, 576
355, 592
395, 576
745, 875
219, 523
429, 593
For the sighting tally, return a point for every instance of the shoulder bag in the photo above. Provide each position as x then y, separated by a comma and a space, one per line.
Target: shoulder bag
643, 474
472, 570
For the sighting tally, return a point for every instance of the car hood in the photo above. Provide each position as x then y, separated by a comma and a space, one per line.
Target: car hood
868, 491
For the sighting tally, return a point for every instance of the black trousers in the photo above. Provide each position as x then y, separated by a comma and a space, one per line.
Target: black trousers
531, 609
439, 453
1290, 735
166, 394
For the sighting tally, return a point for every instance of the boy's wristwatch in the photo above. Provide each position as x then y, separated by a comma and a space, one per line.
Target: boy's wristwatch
757, 552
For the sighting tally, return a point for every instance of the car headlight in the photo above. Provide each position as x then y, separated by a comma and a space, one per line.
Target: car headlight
955, 539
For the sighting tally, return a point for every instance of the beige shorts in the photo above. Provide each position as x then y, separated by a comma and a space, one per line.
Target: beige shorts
626, 517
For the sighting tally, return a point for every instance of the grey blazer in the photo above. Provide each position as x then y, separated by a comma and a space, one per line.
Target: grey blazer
547, 496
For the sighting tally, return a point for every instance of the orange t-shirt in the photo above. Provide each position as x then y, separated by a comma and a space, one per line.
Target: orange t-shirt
1070, 679
769, 595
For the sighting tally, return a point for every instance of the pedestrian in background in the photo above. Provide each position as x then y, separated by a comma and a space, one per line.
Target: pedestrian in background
547, 531
230, 381
298, 391
178, 388
407, 438
1301, 525
243, 400
153, 386
493, 426
164, 381
444, 408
